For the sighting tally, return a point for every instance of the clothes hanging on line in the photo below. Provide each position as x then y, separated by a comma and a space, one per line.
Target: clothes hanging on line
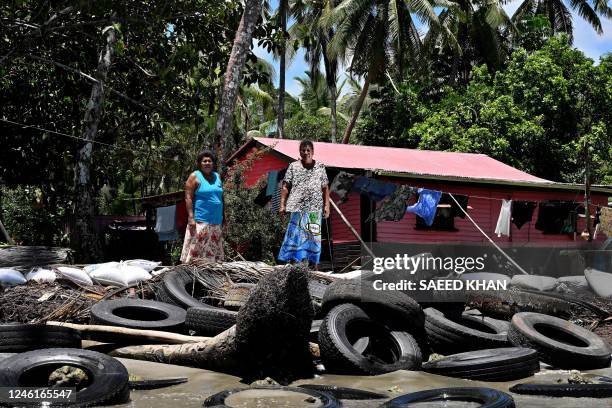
522, 212
342, 185
165, 223
375, 189
554, 217
503, 221
426, 206
275, 202
393, 208
272, 182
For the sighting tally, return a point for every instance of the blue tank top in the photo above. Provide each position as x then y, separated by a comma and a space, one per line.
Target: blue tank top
208, 200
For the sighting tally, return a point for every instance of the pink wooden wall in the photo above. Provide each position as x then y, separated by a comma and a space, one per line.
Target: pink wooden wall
484, 211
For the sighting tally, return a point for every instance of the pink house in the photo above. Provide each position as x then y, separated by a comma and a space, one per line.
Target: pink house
483, 179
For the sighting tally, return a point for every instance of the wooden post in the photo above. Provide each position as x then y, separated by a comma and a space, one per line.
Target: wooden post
350, 227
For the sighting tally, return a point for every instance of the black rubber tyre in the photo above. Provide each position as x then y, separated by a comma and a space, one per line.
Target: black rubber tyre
466, 333
209, 321
488, 397
15, 338
386, 351
327, 400
360, 344
138, 314
108, 378
237, 295
503, 364
565, 390
345, 393
558, 342
396, 309
156, 384
174, 290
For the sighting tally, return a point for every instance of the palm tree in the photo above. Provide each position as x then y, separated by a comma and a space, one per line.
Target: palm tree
560, 16
315, 39
348, 102
314, 93
479, 35
233, 75
376, 35
283, 5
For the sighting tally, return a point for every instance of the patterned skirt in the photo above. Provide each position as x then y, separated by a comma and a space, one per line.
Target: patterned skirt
206, 243
303, 238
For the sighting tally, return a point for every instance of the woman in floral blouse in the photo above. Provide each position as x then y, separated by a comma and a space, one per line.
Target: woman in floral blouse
305, 194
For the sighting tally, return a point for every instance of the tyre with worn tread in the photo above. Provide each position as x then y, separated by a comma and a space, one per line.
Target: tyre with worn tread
487, 397
327, 401
564, 390
344, 392
237, 295
138, 314
15, 338
466, 333
107, 378
396, 308
209, 321
387, 350
559, 342
175, 288
503, 364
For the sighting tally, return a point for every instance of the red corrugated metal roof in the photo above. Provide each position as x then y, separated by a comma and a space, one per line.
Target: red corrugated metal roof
411, 161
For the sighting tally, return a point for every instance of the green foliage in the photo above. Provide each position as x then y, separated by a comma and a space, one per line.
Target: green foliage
30, 218
316, 127
390, 114
542, 114
250, 230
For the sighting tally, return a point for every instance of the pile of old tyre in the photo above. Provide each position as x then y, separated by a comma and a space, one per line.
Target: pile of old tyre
479, 347
177, 288
330, 396
30, 354
369, 332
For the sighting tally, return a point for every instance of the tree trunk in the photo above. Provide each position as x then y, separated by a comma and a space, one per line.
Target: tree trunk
362, 96
86, 240
330, 78
334, 114
233, 76
280, 126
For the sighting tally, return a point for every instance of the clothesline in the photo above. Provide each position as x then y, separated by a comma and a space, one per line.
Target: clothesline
482, 197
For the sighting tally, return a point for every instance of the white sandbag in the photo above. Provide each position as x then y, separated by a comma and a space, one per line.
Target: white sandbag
142, 263
90, 268
600, 282
486, 276
75, 275
122, 275
41, 275
535, 282
134, 274
11, 277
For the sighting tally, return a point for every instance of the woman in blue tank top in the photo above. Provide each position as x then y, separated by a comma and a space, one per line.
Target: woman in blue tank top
204, 202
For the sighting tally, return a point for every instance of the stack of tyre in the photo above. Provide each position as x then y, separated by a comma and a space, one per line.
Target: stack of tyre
368, 332
30, 354
482, 348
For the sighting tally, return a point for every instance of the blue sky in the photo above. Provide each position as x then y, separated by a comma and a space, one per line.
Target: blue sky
585, 39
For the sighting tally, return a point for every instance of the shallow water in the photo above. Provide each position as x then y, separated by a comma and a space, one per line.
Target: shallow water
203, 383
